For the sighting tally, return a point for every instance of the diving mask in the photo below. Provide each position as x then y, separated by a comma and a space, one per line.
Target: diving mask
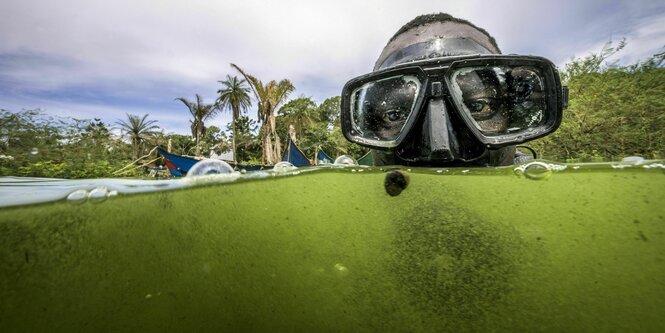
502, 99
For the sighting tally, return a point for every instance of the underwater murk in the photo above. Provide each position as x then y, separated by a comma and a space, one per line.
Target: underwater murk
537, 247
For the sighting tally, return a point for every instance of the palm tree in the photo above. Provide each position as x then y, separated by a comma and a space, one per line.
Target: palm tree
234, 96
201, 112
269, 97
138, 129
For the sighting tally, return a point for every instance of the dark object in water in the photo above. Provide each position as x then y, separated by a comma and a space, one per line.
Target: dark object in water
396, 182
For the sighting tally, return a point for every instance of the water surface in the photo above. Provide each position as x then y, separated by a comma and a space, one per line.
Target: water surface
544, 247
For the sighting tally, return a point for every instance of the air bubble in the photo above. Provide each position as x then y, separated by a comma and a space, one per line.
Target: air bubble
209, 167
98, 194
78, 196
537, 171
284, 166
632, 160
345, 160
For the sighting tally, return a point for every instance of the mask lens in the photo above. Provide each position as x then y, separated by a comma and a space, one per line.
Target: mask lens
379, 109
501, 100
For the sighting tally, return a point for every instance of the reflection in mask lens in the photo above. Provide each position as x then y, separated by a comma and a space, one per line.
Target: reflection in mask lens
501, 99
380, 109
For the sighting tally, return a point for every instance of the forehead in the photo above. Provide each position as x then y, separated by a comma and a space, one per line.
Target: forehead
432, 31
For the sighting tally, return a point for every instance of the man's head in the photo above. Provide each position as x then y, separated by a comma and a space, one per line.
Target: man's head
434, 36
438, 96
439, 35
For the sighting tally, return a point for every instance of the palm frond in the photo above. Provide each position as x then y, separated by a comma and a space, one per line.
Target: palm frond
188, 104
254, 83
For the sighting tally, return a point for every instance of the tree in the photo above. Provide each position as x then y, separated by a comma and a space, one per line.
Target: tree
137, 129
300, 112
317, 127
216, 140
268, 96
201, 112
234, 96
329, 111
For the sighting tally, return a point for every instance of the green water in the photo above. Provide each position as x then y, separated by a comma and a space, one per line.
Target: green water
330, 250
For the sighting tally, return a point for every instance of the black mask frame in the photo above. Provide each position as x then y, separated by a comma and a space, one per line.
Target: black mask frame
435, 77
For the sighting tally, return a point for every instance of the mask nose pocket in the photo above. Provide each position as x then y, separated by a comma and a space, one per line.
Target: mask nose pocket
438, 138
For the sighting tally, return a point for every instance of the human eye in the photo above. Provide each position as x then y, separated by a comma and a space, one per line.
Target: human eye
394, 115
481, 108
476, 106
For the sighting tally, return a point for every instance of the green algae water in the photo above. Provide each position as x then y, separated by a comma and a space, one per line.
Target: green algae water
538, 247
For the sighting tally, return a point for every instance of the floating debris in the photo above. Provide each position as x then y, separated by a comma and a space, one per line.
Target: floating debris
395, 182
341, 270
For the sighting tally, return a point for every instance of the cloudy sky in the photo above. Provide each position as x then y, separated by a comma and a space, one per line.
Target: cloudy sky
89, 58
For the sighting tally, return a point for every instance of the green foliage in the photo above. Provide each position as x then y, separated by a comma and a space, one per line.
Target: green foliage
329, 111
248, 146
300, 112
37, 145
614, 111
317, 126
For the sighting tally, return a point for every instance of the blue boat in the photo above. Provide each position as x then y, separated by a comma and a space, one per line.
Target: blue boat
322, 157
179, 165
294, 155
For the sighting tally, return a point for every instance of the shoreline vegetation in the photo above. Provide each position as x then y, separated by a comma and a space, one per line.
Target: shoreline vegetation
614, 111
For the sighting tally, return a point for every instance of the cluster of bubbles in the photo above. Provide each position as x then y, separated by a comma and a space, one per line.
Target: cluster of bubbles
97, 194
